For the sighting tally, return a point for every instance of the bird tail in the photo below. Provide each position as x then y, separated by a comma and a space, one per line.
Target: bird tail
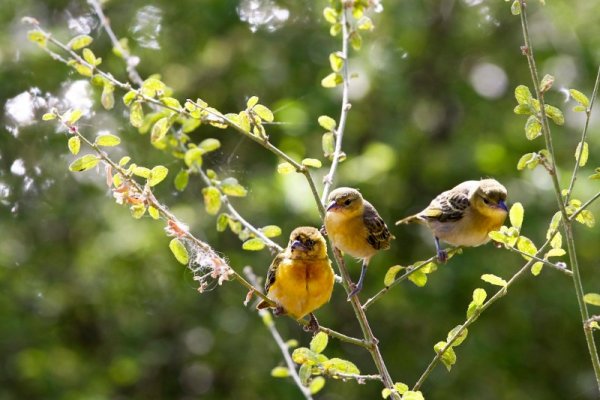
409, 220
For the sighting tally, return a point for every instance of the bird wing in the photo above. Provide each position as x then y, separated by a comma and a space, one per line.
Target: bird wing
379, 235
448, 206
273, 271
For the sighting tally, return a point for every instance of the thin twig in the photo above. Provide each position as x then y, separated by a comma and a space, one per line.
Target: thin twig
584, 206
588, 114
339, 132
283, 347
542, 260
130, 61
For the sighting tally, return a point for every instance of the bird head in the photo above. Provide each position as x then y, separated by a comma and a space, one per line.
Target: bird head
345, 200
490, 198
307, 242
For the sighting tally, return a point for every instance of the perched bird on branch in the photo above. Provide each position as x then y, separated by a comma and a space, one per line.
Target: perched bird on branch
464, 215
355, 228
300, 279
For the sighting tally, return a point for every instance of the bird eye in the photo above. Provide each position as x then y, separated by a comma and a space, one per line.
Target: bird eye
486, 201
347, 202
310, 243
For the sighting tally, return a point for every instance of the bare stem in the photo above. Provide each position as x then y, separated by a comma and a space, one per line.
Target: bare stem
545, 262
339, 132
566, 221
130, 61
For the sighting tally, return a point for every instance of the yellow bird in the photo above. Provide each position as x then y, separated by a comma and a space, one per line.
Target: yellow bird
464, 215
300, 280
356, 228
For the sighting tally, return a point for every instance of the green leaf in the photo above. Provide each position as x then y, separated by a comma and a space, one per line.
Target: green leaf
337, 365
316, 385
90, 58
355, 40
171, 102
231, 187
152, 86
303, 355
536, 268
479, 296
124, 160
81, 69
48, 116
137, 210
212, 199
280, 372
193, 157
584, 154
533, 127
330, 15
448, 357
285, 168
336, 62
472, 309
73, 116
154, 213
556, 253
498, 236
38, 37
327, 123
254, 244
136, 114
107, 140
493, 279
516, 215
335, 29
460, 338
385, 393
580, 98
522, 94
365, 24
263, 112
210, 144
515, 8
252, 101
222, 222
319, 342
108, 98
587, 218
312, 162
84, 163
592, 298
74, 145
244, 121
332, 80
526, 246
327, 143
529, 160
160, 129
418, 278
271, 231
556, 242
522, 109
556, 218
142, 172
181, 180
179, 251
304, 373
158, 174
129, 97
410, 395
555, 114
390, 275
79, 42
579, 109
546, 83
401, 387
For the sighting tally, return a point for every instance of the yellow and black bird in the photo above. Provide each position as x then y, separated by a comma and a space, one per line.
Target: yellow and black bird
300, 280
464, 215
355, 228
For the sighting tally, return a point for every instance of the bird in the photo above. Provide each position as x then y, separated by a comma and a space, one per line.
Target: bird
464, 215
300, 279
355, 227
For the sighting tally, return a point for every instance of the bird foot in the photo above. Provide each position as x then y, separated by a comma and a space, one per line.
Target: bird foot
442, 256
355, 290
313, 324
323, 231
497, 245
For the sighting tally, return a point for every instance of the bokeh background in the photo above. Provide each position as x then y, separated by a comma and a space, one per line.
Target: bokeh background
93, 304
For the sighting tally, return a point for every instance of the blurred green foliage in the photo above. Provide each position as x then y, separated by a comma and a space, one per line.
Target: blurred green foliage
95, 306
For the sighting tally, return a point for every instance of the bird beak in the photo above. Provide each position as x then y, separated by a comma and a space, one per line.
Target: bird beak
298, 245
332, 205
502, 205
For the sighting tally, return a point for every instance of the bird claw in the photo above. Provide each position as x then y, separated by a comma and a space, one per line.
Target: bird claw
442, 256
355, 290
313, 324
323, 230
497, 245
277, 311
